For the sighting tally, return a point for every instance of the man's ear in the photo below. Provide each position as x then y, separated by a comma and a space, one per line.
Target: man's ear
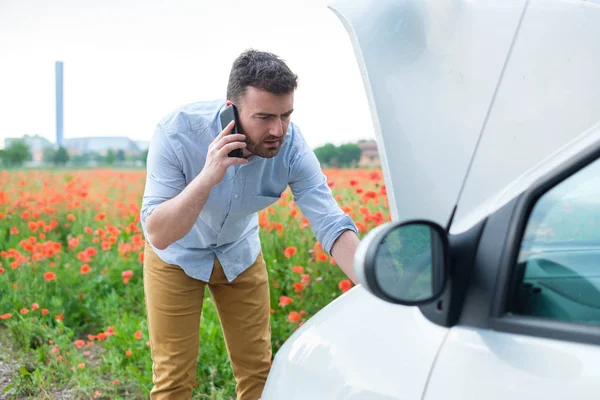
228, 103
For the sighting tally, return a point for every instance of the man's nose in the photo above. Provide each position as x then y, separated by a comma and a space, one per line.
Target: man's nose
277, 128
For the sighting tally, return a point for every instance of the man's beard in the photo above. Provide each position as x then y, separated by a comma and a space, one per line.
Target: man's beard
261, 149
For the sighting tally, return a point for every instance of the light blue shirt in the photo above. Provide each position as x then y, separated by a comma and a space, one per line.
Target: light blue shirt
227, 226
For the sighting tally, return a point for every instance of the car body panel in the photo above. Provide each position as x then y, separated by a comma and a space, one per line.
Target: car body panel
347, 351
481, 363
430, 70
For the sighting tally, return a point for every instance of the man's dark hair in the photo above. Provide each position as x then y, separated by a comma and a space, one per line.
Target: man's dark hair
262, 70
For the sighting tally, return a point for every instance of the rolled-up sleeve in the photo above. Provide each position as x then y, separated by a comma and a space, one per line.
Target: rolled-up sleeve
164, 174
312, 194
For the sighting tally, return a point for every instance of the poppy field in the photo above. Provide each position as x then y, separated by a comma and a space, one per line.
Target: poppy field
72, 311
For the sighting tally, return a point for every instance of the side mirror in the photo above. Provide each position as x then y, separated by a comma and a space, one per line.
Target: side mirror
404, 263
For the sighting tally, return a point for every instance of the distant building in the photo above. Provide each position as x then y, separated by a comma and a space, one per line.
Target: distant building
101, 145
369, 156
36, 144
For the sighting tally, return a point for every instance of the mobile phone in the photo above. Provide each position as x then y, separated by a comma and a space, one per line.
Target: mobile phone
230, 114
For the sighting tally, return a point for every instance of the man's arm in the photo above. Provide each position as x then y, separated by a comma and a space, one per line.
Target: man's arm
333, 228
173, 219
343, 251
170, 208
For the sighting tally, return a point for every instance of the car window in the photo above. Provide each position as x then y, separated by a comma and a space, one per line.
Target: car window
558, 268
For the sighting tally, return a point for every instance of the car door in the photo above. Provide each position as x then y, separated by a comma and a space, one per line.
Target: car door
530, 324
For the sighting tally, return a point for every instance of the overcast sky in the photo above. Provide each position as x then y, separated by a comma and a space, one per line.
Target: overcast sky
128, 63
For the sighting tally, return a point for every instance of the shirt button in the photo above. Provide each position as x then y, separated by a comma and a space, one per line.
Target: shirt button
236, 195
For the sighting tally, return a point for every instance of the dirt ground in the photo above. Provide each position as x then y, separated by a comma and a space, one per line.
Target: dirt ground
8, 366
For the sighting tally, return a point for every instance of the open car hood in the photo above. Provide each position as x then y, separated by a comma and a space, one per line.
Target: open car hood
430, 69
468, 96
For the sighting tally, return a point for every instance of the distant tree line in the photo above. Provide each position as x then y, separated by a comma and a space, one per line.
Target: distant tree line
18, 153
54, 156
345, 155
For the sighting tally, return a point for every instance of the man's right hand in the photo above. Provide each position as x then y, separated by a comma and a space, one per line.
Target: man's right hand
217, 159
173, 219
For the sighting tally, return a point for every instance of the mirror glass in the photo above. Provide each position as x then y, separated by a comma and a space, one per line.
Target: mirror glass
409, 263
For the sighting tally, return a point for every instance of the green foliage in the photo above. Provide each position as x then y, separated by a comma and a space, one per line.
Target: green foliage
326, 154
110, 157
61, 157
345, 155
16, 154
144, 156
49, 154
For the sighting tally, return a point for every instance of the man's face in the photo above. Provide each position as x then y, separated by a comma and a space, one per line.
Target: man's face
264, 119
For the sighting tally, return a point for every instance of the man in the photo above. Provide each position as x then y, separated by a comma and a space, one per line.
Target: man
199, 215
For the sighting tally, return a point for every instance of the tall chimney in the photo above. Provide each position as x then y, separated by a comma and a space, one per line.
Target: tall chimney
59, 103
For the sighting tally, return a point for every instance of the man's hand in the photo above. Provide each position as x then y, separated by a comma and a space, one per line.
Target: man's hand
217, 159
173, 219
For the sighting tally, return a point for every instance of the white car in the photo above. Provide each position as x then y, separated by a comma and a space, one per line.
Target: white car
486, 285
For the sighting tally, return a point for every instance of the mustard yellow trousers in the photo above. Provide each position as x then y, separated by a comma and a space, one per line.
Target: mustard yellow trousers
174, 304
